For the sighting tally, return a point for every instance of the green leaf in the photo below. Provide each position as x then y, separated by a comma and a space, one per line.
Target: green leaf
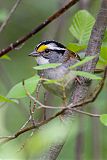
103, 55
85, 60
3, 15
53, 81
86, 75
103, 119
45, 137
46, 66
5, 99
105, 37
82, 25
54, 132
75, 47
9, 152
18, 90
5, 57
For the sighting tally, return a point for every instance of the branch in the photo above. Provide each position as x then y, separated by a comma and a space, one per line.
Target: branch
82, 90
87, 113
38, 28
96, 37
73, 108
90, 98
23, 130
9, 15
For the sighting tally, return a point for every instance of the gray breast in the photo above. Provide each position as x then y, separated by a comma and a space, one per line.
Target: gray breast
60, 71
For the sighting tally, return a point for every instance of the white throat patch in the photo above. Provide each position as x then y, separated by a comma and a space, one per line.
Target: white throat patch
41, 60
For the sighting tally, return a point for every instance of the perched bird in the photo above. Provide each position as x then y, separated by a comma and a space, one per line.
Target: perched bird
51, 51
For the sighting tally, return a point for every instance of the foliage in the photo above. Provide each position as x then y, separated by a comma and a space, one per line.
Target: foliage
18, 90
103, 119
46, 136
5, 57
5, 99
76, 47
82, 62
3, 15
80, 30
87, 75
81, 26
46, 66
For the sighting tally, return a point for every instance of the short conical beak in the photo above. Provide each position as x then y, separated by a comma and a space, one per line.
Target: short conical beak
34, 54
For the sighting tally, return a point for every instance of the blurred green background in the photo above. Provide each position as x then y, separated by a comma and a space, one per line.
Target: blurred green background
89, 141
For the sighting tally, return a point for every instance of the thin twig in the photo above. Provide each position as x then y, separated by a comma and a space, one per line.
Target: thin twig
89, 99
29, 119
32, 116
45, 103
38, 28
9, 15
25, 124
86, 113
8, 138
37, 96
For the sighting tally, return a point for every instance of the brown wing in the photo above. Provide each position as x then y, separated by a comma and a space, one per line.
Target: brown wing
73, 55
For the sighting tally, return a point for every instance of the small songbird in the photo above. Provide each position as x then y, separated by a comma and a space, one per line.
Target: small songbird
51, 51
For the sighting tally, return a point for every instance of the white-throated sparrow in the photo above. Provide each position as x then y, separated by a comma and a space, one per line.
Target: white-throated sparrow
51, 51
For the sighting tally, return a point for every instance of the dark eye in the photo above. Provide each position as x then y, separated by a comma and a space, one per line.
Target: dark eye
47, 50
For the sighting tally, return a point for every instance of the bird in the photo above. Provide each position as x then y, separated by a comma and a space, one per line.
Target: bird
51, 51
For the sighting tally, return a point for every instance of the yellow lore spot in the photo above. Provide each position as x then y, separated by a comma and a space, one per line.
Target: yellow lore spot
42, 48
